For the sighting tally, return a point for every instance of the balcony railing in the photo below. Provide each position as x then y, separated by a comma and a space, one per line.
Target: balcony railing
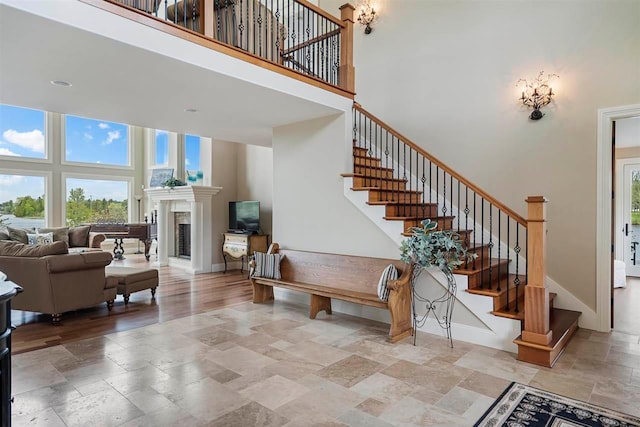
291, 33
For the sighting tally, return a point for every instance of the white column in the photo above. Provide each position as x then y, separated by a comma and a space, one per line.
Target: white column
164, 229
197, 238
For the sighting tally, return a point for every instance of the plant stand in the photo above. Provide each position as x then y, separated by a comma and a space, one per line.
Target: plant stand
447, 300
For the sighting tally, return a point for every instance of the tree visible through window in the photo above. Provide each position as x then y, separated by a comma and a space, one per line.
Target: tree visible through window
22, 201
90, 201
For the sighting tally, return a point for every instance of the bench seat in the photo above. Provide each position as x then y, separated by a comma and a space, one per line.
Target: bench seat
345, 277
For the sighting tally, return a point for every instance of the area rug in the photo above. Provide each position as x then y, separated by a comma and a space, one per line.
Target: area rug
524, 406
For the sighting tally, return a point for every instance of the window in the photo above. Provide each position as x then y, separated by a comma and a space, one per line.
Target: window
22, 201
96, 141
192, 153
92, 200
23, 132
162, 147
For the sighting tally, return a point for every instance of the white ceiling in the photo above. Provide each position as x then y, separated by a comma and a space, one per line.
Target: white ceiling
628, 132
121, 82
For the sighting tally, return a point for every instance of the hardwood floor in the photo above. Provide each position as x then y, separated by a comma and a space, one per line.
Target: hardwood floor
180, 294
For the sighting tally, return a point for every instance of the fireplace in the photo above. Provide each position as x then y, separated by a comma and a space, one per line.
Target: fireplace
193, 207
182, 222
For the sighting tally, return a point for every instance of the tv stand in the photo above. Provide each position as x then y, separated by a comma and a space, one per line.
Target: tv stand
241, 246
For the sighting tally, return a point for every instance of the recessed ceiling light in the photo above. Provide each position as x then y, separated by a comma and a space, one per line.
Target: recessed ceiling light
190, 110
61, 83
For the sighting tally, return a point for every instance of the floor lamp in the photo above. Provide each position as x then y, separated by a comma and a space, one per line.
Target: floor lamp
138, 199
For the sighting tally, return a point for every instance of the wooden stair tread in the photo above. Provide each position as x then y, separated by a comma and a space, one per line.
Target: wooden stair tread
377, 178
494, 263
386, 190
492, 291
459, 232
563, 324
415, 217
519, 315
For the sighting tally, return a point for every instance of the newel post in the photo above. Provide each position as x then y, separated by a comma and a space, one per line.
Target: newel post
536, 295
347, 73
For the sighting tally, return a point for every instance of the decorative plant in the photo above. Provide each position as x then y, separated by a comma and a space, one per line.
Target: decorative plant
429, 248
173, 182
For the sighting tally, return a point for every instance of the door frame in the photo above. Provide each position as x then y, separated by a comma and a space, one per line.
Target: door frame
604, 218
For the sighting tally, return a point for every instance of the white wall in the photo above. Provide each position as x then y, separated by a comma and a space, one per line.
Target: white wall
224, 163
444, 73
255, 180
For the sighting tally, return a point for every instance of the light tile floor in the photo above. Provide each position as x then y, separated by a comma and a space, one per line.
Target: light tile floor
269, 365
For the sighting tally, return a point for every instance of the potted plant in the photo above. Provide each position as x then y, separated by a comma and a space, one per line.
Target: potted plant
173, 182
428, 248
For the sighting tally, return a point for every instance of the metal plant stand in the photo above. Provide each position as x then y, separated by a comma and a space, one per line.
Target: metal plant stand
447, 301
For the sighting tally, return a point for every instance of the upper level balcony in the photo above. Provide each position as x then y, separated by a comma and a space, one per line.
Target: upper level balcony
245, 66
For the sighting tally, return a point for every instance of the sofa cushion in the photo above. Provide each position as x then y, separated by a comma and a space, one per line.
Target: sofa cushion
17, 249
19, 234
4, 234
60, 234
79, 236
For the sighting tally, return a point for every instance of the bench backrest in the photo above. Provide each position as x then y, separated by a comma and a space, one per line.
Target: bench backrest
360, 274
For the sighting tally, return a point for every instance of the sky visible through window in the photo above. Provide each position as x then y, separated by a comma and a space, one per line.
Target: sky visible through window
162, 147
96, 141
192, 153
22, 132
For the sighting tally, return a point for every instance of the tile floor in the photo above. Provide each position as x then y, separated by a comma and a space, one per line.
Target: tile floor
269, 365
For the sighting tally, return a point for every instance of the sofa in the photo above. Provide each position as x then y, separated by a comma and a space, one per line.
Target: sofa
78, 239
56, 281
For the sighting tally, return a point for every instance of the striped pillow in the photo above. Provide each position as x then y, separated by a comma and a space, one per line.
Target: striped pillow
389, 273
267, 265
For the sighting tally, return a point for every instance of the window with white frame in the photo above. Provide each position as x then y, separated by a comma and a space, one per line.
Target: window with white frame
23, 133
96, 200
96, 141
22, 200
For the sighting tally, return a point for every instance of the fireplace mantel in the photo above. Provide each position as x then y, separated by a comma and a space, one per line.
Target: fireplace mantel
197, 201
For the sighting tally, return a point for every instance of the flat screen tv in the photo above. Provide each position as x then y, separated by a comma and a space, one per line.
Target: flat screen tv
244, 217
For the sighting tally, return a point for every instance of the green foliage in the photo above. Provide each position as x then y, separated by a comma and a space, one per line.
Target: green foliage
83, 211
27, 206
173, 182
429, 248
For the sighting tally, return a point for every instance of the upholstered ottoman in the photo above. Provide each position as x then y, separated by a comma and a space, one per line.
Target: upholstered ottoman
133, 280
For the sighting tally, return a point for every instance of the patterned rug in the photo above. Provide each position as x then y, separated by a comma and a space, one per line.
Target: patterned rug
524, 406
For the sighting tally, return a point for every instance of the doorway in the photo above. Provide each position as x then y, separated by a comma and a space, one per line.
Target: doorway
626, 231
605, 211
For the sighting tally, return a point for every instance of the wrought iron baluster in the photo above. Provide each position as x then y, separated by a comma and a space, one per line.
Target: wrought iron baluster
516, 281
424, 197
508, 255
474, 228
490, 244
499, 260
482, 243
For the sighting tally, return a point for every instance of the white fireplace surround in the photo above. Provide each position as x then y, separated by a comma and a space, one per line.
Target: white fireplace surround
197, 201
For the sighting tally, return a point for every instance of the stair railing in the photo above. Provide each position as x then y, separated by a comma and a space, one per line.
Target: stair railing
418, 184
293, 33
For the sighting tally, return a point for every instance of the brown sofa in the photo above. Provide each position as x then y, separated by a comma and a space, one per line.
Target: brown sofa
77, 238
56, 281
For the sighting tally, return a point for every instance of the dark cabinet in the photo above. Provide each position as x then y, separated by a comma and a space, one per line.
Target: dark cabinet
7, 291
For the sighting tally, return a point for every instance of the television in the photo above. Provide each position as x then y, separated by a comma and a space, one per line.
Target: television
244, 217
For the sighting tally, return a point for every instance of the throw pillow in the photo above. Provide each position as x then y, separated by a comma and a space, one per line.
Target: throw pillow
267, 265
4, 234
79, 236
389, 273
19, 234
60, 234
40, 239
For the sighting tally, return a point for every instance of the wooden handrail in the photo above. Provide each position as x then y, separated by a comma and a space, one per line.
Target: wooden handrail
443, 166
312, 41
321, 12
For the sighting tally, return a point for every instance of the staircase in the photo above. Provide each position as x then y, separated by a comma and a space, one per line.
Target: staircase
412, 186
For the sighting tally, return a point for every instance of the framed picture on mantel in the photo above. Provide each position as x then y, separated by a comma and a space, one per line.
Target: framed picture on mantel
159, 176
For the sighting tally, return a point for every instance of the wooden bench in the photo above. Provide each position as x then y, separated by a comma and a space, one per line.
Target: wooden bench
348, 278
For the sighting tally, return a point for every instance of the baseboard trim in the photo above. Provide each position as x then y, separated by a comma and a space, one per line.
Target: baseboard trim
219, 267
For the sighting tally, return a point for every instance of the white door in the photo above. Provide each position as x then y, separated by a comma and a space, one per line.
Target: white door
631, 217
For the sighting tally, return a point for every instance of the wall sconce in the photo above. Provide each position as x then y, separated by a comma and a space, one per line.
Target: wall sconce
367, 16
537, 94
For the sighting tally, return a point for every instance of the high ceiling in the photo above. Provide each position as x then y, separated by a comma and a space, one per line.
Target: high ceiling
117, 80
